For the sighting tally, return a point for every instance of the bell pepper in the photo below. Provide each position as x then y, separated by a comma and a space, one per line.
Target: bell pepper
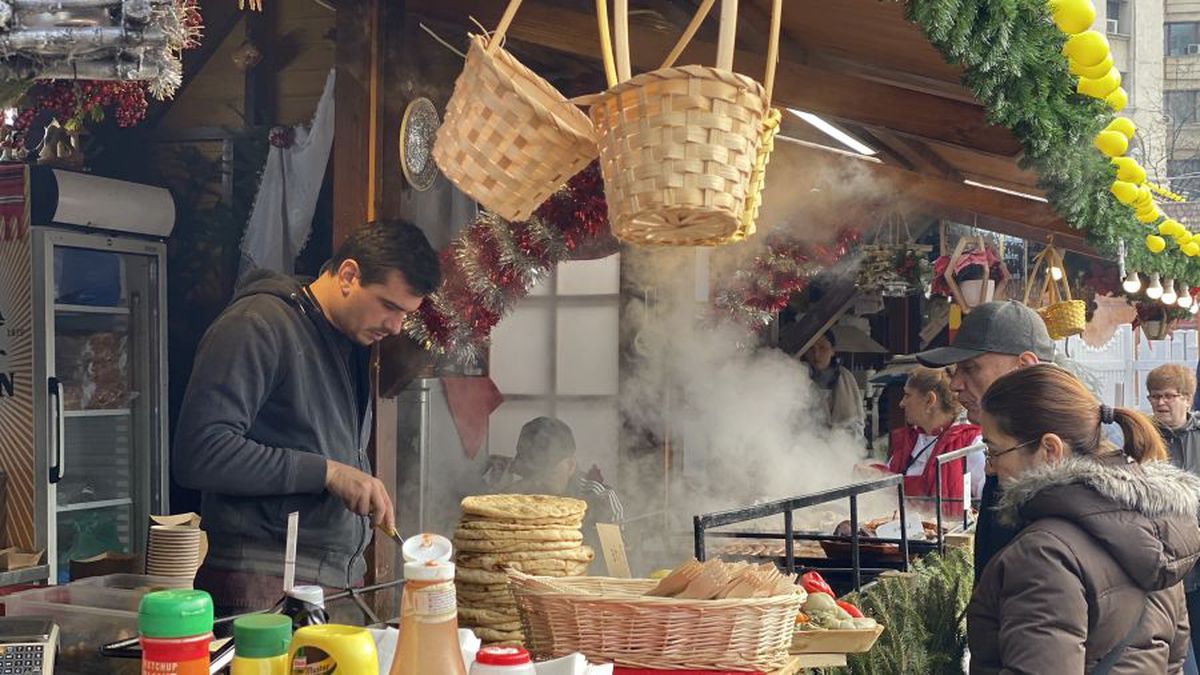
850, 609
814, 583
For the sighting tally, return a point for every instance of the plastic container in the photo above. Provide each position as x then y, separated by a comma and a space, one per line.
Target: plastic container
428, 611
306, 606
260, 644
502, 661
176, 629
334, 649
91, 612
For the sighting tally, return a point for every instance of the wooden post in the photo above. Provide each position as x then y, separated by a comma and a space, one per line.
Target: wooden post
356, 180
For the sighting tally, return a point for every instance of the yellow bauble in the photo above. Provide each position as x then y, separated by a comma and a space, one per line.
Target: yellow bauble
1129, 170
1191, 249
1183, 239
1073, 16
1123, 125
1111, 143
1148, 215
1155, 243
1172, 228
1124, 191
1087, 48
1100, 87
1098, 70
1117, 99
1144, 197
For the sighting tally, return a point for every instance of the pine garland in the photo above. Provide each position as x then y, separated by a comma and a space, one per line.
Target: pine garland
1010, 52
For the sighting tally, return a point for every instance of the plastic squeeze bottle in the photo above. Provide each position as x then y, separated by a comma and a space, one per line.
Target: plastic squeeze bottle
260, 645
428, 611
333, 650
176, 629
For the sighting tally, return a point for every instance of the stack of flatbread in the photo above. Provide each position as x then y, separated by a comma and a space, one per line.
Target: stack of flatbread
535, 534
719, 580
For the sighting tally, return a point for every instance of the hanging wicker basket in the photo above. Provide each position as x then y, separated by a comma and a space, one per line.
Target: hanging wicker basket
1063, 316
613, 621
684, 150
509, 138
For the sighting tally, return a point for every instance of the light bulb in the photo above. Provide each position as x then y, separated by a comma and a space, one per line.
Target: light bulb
1056, 273
1155, 290
1185, 300
1169, 297
1132, 283
1195, 308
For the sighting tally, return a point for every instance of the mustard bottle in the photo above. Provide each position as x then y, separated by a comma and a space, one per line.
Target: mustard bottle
317, 650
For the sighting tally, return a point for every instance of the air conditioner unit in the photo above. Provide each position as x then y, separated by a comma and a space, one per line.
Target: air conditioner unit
1113, 26
1193, 49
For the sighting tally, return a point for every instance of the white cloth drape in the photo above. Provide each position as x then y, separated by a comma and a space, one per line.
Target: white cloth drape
281, 221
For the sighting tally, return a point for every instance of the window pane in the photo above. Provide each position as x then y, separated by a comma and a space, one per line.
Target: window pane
595, 429
590, 277
1181, 106
587, 349
1179, 36
504, 426
520, 355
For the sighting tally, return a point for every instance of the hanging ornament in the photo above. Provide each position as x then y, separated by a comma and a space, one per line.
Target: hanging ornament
1100, 87
1111, 143
1144, 198
1124, 191
252, 5
1124, 125
1148, 214
1088, 48
246, 56
1128, 170
1097, 70
1191, 249
1073, 16
1155, 290
1185, 299
1155, 243
1117, 100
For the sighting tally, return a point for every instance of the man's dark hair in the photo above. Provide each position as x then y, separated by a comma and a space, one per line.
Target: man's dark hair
386, 245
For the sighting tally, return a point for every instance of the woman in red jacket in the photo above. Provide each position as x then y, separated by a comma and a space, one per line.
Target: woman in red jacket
931, 412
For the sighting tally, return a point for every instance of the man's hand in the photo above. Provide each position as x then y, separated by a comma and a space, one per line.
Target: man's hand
362, 493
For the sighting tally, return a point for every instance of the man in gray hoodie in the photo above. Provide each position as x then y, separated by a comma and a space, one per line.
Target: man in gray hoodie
277, 416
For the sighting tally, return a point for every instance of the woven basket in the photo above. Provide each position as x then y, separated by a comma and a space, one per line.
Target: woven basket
682, 149
509, 138
1063, 316
611, 620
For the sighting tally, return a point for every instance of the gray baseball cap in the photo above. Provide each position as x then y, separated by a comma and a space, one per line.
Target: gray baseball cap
994, 328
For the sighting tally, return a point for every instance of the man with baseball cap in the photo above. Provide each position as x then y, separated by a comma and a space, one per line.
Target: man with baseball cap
995, 338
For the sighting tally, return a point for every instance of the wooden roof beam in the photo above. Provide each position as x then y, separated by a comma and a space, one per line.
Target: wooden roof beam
797, 85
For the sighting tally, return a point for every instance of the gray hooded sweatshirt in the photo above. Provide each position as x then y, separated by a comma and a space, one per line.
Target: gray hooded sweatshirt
275, 391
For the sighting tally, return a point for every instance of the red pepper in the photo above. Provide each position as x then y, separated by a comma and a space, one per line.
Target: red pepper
850, 609
814, 583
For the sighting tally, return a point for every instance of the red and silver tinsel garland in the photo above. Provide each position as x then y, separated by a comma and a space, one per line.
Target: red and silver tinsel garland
752, 297
494, 263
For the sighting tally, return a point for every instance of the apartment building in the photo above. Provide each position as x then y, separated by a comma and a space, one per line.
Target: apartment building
1181, 92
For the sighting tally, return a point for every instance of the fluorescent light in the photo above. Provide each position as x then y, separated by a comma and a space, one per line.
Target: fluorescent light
10, 116
828, 148
834, 132
1006, 191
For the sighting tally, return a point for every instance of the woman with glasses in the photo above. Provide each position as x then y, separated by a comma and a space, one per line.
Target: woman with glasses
1171, 389
1090, 583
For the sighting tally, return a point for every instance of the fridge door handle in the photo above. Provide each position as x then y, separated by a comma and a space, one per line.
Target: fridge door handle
58, 459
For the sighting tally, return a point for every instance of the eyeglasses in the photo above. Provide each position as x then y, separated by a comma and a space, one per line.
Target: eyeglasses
1163, 397
993, 454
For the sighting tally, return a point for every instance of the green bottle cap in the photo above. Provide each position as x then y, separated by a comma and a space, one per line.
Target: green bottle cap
261, 636
175, 614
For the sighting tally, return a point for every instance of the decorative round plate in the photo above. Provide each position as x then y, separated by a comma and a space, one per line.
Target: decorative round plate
417, 131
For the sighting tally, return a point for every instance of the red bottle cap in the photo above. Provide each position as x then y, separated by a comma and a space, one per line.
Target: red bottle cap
502, 656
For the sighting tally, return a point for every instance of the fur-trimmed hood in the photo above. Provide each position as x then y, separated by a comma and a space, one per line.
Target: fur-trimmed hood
1145, 516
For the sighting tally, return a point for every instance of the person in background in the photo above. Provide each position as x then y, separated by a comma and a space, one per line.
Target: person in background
931, 413
1091, 581
996, 338
843, 399
1171, 390
545, 464
278, 414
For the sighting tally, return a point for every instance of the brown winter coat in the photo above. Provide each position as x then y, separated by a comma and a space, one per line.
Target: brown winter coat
1097, 540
